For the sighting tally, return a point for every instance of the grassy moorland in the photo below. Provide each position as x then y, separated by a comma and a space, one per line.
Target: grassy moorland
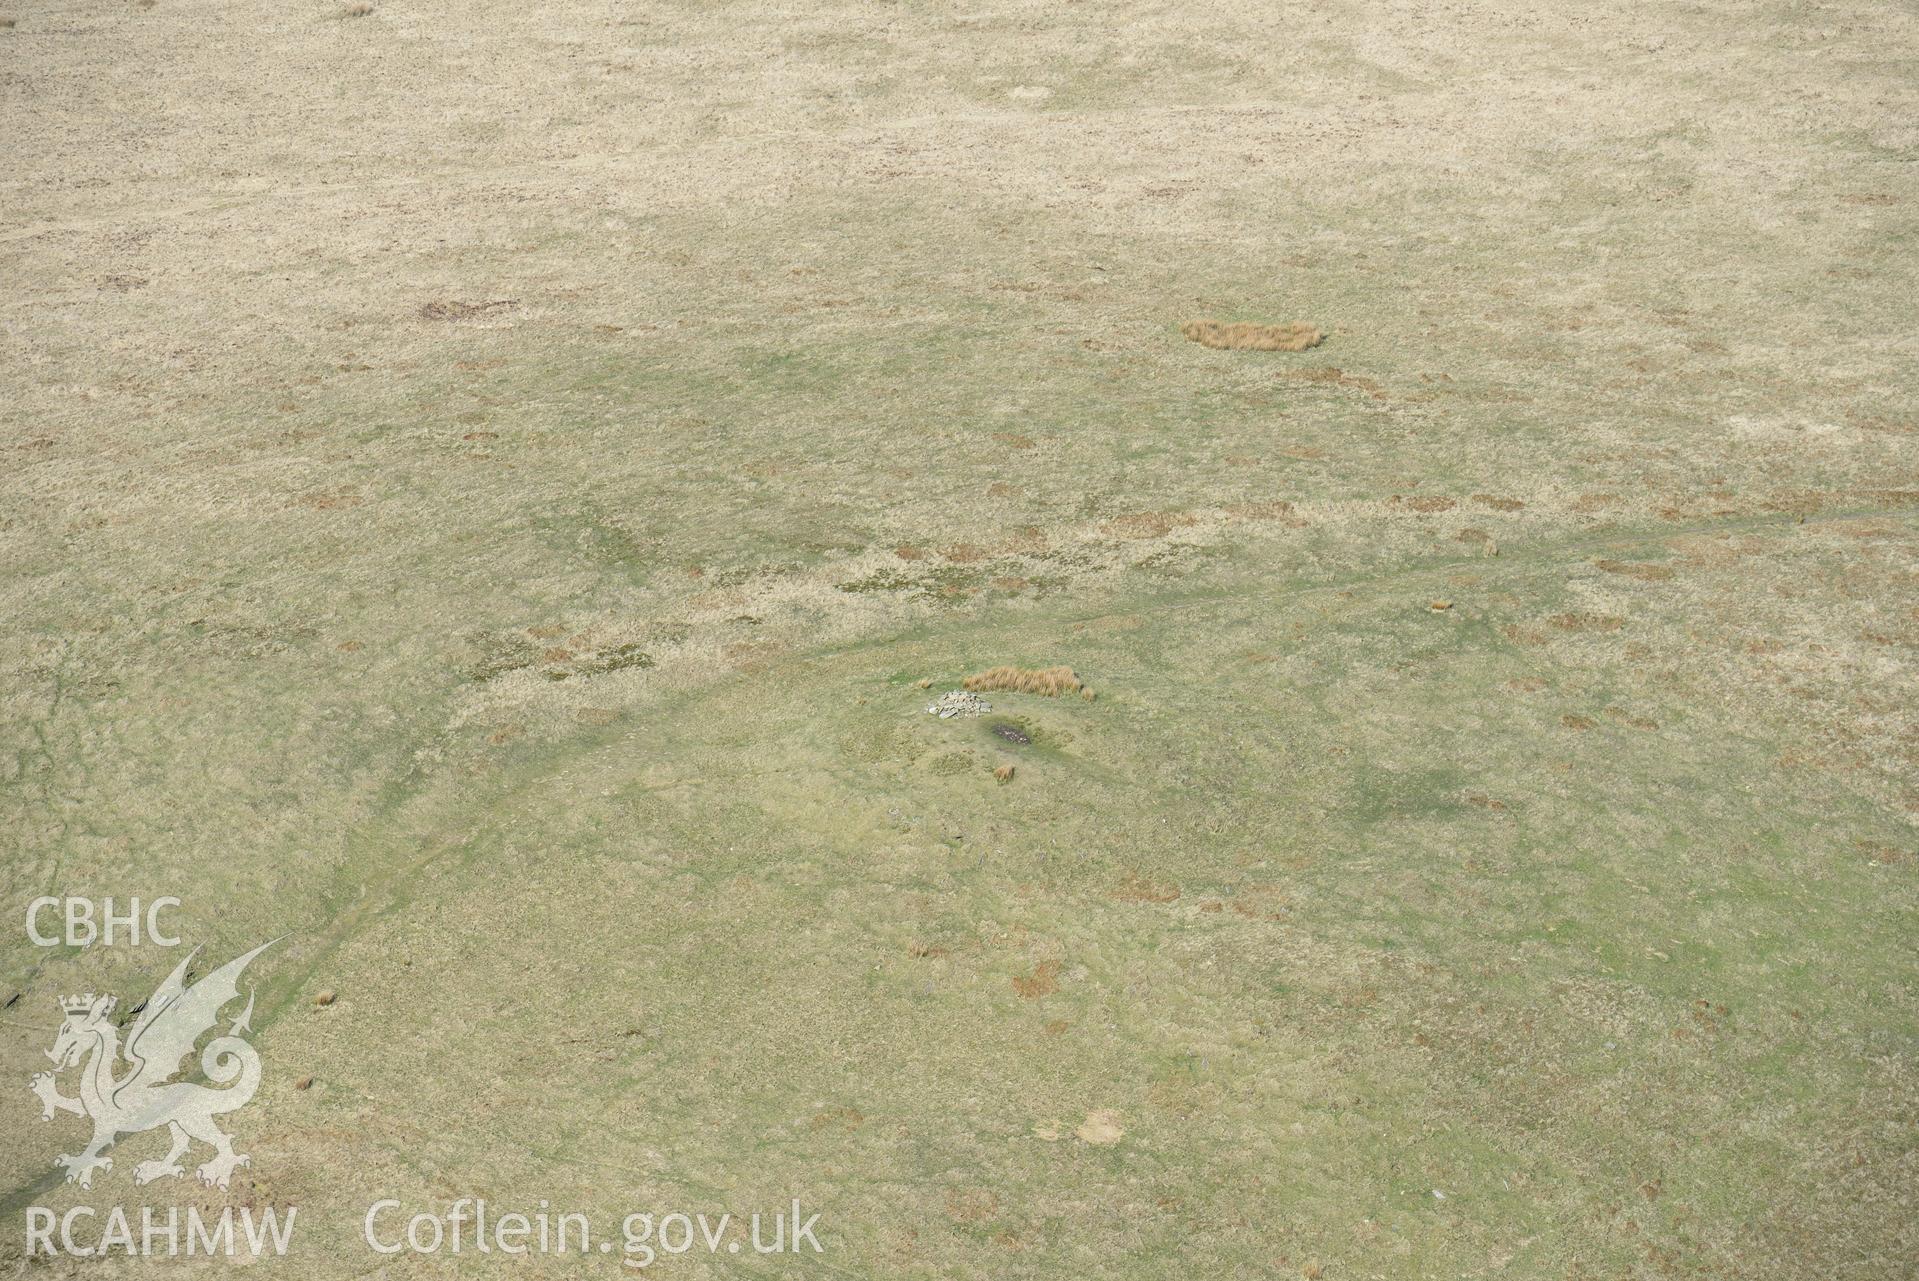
488, 491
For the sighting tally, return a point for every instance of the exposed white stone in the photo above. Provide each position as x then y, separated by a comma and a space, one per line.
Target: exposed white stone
958, 702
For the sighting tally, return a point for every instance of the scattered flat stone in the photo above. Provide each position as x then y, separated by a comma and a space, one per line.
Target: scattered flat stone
958, 702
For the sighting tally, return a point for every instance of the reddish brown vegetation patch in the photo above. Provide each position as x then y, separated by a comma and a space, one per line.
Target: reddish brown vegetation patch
462, 310
1278, 509
1586, 622
1334, 376
1497, 503
970, 1205
1027, 538
1137, 889
1043, 981
840, 1118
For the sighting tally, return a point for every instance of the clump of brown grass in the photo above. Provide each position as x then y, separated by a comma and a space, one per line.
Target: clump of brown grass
1645, 573
1293, 337
444, 310
356, 11
1147, 524
1050, 681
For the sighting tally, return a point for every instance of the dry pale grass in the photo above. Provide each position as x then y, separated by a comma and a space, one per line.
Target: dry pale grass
356, 11
1147, 524
1050, 681
1293, 337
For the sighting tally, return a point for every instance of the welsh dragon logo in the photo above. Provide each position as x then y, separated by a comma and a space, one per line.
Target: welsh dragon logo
147, 1097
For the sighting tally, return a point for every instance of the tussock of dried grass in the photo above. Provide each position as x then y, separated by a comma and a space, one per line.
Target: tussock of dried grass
1293, 337
1050, 681
1147, 524
444, 310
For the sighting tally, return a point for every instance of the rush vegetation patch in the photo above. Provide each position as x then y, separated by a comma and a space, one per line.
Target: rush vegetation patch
1297, 336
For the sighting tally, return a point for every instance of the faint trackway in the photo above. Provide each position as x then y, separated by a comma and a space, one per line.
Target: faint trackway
1519, 556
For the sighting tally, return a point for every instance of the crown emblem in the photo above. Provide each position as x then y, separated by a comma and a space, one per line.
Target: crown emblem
82, 1004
